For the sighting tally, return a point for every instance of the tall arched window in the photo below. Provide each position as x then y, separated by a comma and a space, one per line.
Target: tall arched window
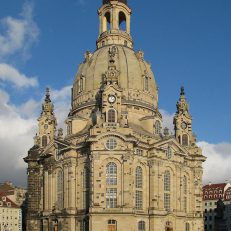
111, 182
185, 189
111, 174
141, 226
146, 84
86, 188
187, 227
44, 141
139, 188
106, 22
112, 225
60, 189
167, 189
185, 140
122, 21
111, 116
157, 127
139, 177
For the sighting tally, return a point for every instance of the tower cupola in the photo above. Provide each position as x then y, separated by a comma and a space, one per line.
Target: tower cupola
47, 121
115, 20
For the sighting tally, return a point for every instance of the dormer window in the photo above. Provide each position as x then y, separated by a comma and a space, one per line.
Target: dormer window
157, 127
146, 83
185, 140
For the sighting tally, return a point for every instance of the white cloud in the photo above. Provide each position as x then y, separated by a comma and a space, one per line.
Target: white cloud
62, 102
9, 74
167, 120
18, 34
217, 165
15, 138
19, 125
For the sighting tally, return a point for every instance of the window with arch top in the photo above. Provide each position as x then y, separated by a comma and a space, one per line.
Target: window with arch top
112, 225
44, 141
139, 177
185, 141
111, 174
111, 182
167, 189
122, 21
141, 226
106, 21
146, 83
139, 188
157, 127
60, 189
111, 116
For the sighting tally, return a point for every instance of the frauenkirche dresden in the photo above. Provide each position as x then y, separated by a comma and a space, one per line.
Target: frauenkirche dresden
115, 168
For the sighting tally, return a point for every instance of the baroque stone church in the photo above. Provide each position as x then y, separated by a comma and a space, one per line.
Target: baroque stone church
116, 168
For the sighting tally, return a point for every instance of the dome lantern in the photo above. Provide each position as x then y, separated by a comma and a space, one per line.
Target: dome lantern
114, 20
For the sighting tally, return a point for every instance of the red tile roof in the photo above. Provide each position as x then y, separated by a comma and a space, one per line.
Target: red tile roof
6, 202
213, 191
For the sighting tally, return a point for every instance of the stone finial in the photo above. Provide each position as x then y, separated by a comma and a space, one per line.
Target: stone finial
47, 98
60, 133
182, 91
166, 131
108, 1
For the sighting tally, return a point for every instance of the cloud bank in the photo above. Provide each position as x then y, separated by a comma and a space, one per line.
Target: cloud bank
18, 34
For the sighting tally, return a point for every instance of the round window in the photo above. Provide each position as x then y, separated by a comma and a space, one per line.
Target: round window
111, 144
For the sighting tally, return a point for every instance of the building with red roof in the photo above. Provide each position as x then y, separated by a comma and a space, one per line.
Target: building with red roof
10, 214
211, 194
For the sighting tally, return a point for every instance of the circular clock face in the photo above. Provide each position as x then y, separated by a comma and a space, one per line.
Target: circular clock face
111, 98
184, 125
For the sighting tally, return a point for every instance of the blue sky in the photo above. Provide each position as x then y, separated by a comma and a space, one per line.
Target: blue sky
187, 42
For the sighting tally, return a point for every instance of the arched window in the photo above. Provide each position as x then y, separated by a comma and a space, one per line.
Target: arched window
157, 127
112, 225
111, 181
185, 185
185, 140
86, 188
167, 181
187, 227
44, 141
141, 226
84, 225
111, 174
106, 22
139, 177
167, 189
111, 116
146, 84
60, 189
122, 21
168, 226
139, 188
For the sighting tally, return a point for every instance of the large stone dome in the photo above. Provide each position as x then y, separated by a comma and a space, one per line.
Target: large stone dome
133, 70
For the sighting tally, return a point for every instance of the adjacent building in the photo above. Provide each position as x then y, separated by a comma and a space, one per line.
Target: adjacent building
14, 193
211, 194
10, 214
116, 168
